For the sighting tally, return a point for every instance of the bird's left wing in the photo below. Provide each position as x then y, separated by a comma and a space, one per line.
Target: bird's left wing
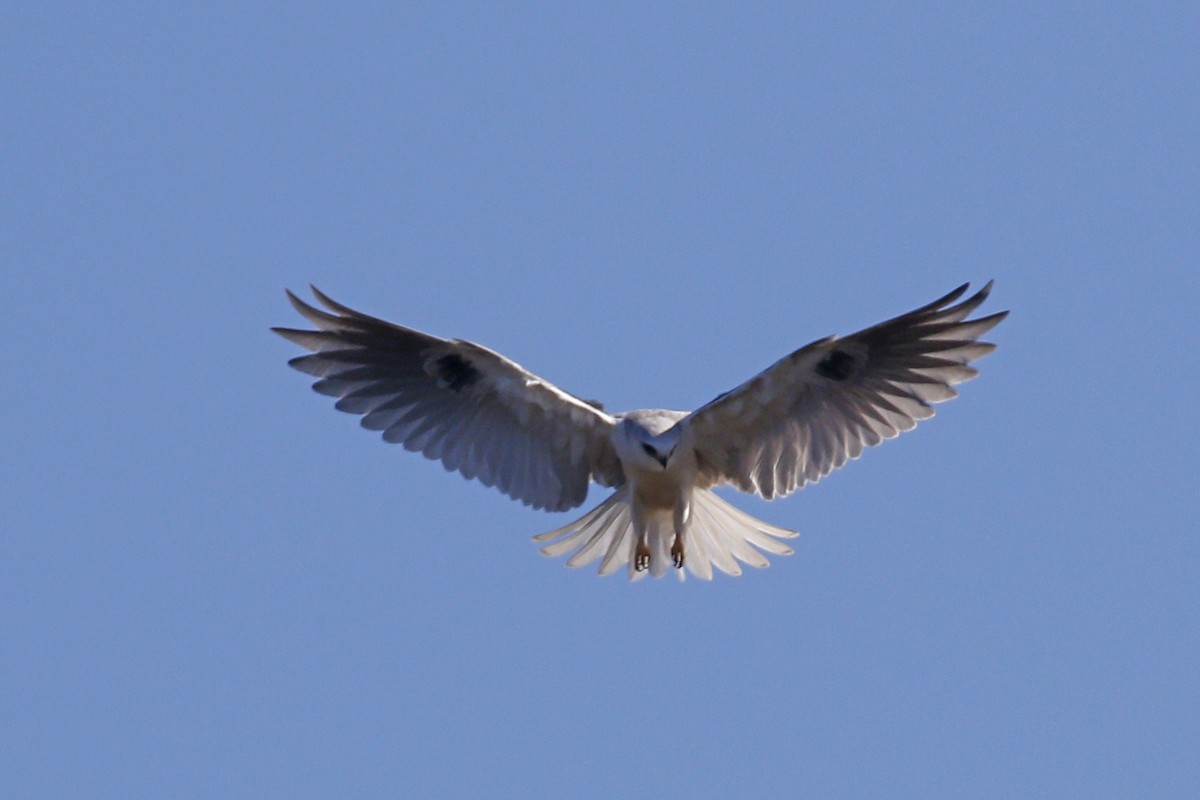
816, 408
459, 402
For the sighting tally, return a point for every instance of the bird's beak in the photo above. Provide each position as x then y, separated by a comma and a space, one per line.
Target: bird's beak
664, 459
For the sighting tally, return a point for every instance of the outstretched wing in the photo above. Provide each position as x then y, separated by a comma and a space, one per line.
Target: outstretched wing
816, 408
460, 403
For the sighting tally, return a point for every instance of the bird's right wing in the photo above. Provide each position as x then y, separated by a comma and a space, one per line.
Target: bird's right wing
814, 409
459, 402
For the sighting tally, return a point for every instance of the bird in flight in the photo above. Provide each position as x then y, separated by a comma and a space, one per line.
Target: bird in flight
489, 418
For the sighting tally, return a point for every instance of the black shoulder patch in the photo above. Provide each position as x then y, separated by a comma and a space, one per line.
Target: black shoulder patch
456, 372
596, 404
837, 366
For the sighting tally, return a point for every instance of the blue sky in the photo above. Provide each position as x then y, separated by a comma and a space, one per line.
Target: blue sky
214, 585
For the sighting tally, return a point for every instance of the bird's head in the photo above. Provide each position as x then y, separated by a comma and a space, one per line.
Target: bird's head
650, 451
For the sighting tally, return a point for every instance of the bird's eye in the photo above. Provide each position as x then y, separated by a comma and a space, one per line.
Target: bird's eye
650, 451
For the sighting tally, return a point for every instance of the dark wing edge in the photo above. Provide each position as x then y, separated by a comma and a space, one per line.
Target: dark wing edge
457, 402
820, 406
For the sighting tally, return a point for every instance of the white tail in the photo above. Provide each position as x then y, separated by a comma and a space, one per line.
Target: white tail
718, 535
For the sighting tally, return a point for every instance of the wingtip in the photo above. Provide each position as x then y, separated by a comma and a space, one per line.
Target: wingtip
323, 298
958, 292
947, 312
986, 291
296, 302
941, 302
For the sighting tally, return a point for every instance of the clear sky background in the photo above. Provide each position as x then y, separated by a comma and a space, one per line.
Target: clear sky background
214, 585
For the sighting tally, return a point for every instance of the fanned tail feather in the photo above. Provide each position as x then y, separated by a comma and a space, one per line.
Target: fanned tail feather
719, 535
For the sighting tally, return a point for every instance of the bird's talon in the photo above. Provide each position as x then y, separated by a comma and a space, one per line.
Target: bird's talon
641, 561
677, 552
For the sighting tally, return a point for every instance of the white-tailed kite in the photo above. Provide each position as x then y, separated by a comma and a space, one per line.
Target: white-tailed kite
489, 418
